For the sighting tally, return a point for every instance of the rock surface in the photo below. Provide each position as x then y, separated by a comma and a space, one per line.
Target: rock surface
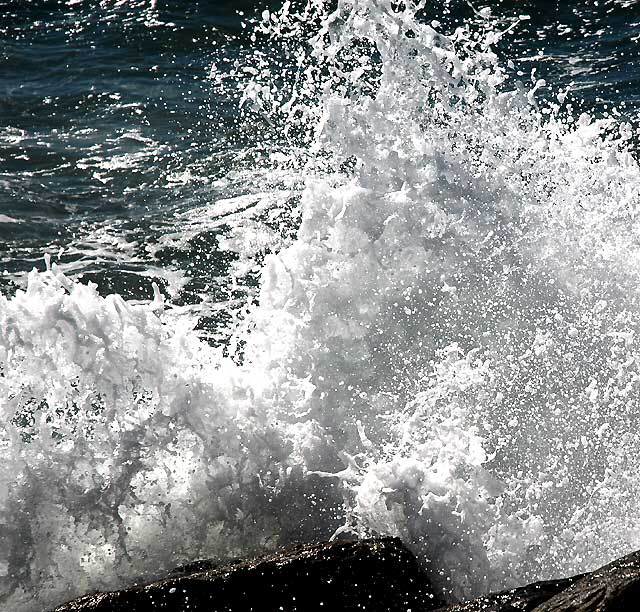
374, 575
522, 599
614, 587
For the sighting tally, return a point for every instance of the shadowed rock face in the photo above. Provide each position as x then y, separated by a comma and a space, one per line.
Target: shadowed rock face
612, 588
376, 575
522, 599
372, 575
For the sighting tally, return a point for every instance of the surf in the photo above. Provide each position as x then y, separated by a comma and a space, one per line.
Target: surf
444, 350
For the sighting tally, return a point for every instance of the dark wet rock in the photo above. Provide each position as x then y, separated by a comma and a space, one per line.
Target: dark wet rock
378, 574
200, 565
522, 599
614, 587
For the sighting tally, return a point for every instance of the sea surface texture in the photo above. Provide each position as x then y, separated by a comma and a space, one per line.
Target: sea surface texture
272, 273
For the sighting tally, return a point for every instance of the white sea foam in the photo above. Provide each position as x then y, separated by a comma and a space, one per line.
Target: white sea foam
447, 351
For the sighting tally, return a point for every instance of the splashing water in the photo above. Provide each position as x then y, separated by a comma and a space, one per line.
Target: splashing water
446, 351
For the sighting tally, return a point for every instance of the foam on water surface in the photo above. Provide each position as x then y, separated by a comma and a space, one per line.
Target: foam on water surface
446, 351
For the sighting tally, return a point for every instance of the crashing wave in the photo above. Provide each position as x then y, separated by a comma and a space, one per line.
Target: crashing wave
446, 351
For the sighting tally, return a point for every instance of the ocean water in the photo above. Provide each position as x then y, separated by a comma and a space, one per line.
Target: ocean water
275, 273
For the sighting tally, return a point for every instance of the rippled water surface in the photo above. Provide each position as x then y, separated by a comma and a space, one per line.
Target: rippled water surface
120, 122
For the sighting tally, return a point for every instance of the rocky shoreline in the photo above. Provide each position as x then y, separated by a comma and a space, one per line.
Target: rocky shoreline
376, 575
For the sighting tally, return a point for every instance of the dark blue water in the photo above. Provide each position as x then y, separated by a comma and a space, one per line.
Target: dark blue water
113, 123
118, 119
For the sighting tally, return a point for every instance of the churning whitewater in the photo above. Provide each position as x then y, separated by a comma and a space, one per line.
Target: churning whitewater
446, 351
